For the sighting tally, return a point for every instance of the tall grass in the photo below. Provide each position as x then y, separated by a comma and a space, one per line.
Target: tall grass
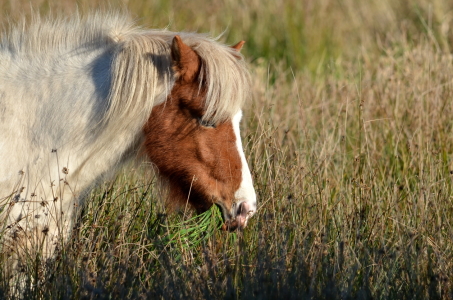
349, 139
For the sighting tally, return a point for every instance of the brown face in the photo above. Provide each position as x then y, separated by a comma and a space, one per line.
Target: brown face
201, 161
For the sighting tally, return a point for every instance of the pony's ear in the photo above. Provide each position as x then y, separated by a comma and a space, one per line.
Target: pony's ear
238, 46
186, 62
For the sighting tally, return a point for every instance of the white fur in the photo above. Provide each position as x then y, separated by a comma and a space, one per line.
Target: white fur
74, 95
246, 192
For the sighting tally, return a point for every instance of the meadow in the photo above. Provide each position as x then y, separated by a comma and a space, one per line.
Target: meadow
349, 137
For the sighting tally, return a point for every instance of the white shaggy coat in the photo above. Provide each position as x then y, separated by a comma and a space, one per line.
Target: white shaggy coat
74, 96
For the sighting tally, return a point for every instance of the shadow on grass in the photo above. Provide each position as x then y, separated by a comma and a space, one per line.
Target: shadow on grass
312, 271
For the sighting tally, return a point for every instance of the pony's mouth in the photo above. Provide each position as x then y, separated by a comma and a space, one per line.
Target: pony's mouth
237, 220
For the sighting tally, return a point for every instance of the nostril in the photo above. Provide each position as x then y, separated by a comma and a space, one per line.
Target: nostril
237, 219
243, 209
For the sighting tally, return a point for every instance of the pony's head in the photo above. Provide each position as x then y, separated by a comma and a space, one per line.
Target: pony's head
202, 159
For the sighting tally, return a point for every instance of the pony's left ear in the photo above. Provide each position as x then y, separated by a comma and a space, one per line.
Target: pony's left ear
186, 61
238, 46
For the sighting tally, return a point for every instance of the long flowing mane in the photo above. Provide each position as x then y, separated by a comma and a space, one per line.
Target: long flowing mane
76, 102
131, 70
141, 60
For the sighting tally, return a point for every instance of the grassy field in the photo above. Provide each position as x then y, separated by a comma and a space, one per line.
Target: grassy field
349, 139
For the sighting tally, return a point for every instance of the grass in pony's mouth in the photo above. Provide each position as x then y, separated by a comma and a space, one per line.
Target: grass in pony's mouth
193, 232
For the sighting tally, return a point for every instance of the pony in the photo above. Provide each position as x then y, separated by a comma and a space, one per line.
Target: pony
81, 96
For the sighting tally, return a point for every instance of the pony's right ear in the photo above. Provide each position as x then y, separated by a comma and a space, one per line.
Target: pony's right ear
186, 62
238, 46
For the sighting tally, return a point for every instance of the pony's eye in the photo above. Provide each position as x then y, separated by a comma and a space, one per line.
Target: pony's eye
205, 123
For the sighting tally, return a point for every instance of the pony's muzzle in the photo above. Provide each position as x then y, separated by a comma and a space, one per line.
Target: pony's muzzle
241, 214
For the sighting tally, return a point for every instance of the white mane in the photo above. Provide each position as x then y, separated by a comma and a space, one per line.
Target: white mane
140, 57
76, 92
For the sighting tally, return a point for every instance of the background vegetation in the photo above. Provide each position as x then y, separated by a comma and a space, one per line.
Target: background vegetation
349, 138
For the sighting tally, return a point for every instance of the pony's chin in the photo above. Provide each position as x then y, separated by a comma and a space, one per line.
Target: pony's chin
238, 223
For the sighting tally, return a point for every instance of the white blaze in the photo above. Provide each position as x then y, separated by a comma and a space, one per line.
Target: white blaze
246, 192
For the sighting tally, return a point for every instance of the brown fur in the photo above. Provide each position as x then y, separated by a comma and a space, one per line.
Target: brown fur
201, 163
